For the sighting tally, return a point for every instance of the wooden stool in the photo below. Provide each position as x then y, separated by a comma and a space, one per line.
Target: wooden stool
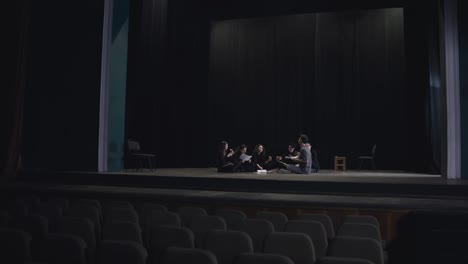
340, 162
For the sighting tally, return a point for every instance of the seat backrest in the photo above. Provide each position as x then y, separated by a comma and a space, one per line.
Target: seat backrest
339, 260
122, 230
357, 247
121, 252
233, 218
133, 146
325, 220
316, 232
226, 245
118, 204
4, 219
187, 212
31, 200
156, 218
36, 225
84, 205
262, 258
79, 226
17, 209
52, 212
62, 202
88, 211
257, 229
121, 214
278, 219
163, 237
92, 202
146, 209
15, 246
297, 246
201, 224
373, 150
63, 248
177, 255
359, 230
362, 219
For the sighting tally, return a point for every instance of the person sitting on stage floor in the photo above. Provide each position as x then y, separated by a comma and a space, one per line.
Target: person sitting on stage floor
292, 152
260, 159
225, 158
315, 162
242, 161
304, 159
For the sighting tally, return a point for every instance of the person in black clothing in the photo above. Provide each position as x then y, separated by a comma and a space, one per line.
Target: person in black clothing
225, 158
260, 159
315, 162
242, 165
286, 158
303, 161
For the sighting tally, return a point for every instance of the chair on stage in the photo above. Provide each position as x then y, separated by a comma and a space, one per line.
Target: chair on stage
136, 158
370, 158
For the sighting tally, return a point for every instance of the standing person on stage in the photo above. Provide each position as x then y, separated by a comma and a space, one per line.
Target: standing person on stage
304, 159
225, 158
260, 159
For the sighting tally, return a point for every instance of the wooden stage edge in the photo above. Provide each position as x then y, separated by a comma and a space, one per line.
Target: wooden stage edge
323, 175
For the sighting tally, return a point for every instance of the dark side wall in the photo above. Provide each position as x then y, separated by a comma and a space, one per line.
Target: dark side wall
62, 98
463, 55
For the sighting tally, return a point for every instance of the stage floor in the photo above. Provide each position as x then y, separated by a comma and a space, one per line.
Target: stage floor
323, 175
370, 189
363, 183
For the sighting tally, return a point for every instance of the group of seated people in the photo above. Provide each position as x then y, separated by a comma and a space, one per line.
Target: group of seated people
303, 161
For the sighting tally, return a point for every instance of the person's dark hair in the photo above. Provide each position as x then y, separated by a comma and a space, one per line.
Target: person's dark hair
304, 138
240, 147
256, 149
222, 145
292, 144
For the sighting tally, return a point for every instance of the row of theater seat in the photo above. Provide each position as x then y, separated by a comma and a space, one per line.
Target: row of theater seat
84, 231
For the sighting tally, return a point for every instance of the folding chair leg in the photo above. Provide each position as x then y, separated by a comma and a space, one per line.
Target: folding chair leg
150, 163
140, 165
153, 160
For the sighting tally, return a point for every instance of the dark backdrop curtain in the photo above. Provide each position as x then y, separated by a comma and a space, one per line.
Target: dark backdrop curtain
435, 95
61, 114
339, 77
13, 88
199, 74
167, 81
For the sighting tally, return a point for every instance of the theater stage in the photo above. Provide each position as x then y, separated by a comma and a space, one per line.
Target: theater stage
362, 183
380, 190
364, 175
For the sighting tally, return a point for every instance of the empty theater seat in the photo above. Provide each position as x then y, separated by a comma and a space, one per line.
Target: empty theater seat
121, 252
175, 255
297, 246
278, 219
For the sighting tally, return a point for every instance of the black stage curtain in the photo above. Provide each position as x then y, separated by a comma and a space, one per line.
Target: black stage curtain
338, 77
166, 104
61, 114
13, 88
349, 79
